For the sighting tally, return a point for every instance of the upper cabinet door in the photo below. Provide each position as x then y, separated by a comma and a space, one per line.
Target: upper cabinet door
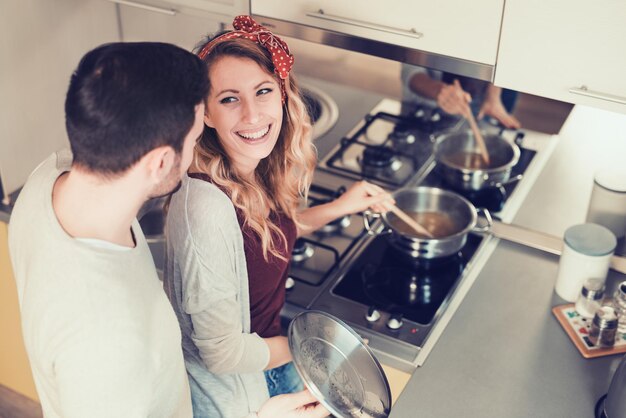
458, 28
569, 50
219, 9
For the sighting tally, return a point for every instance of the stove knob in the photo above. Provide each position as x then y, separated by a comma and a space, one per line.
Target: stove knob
395, 322
289, 283
372, 314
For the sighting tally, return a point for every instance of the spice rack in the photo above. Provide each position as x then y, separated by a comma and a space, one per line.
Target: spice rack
577, 328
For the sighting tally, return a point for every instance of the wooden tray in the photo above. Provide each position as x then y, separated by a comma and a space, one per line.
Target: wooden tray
578, 327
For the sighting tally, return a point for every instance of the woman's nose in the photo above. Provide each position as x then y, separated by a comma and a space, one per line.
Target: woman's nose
251, 113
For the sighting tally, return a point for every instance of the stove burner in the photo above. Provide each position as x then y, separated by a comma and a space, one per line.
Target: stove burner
336, 225
402, 134
394, 287
490, 198
417, 284
302, 250
394, 282
380, 157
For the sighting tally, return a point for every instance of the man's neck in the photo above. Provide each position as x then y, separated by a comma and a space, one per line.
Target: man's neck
88, 206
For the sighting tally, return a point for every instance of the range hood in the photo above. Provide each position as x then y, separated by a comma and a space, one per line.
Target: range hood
381, 49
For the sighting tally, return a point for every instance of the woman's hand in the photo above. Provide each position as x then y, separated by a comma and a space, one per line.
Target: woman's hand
453, 99
293, 405
361, 196
492, 106
496, 110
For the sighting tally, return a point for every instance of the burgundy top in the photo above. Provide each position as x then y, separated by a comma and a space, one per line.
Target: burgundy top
266, 279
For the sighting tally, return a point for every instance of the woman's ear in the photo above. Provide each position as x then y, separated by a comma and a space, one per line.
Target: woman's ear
207, 120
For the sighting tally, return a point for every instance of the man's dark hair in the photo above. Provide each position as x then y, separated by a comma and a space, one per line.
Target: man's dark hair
126, 99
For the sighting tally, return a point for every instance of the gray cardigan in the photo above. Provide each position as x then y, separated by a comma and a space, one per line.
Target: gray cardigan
206, 281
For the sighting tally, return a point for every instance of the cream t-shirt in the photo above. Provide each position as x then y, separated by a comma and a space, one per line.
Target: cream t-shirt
101, 336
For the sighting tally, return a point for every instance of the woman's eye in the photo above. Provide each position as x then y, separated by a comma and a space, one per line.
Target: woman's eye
264, 91
229, 99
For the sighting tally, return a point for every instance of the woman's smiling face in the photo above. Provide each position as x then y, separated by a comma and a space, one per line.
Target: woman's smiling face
245, 108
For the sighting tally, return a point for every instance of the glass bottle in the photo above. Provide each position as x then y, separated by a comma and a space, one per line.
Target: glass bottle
619, 303
590, 298
603, 327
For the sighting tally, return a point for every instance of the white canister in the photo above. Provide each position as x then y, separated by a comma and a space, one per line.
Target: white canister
607, 205
587, 253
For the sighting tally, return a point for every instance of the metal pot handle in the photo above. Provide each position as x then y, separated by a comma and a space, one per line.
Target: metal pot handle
489, 221
509, 181
368, 218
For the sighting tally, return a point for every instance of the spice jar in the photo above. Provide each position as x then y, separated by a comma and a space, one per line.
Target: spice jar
603, 327
590, 298
619, 303
587, 253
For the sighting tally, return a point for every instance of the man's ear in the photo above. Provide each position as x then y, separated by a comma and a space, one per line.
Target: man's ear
159, 162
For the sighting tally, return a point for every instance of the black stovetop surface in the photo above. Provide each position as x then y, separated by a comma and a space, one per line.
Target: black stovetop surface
384, 278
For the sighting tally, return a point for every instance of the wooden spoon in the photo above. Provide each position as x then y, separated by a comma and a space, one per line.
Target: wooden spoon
410, 221
479, 137
470, 117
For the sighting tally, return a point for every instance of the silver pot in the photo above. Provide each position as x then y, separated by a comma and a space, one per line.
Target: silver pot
447, 215
459, 162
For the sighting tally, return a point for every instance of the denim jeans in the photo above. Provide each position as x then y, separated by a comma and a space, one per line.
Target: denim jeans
283, 379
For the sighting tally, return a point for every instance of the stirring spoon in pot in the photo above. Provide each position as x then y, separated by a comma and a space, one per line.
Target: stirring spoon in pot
410, 221
479, 137
474, 127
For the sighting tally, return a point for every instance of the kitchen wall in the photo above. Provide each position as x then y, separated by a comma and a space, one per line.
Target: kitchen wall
40, 45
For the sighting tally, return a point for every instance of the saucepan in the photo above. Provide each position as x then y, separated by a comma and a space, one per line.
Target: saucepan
462, 166
448, 216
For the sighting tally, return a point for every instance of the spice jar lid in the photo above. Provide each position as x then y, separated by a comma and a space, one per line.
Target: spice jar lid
605, 317
593, 289
590, 239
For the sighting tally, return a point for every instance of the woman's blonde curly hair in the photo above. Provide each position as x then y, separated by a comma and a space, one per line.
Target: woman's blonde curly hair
282, 178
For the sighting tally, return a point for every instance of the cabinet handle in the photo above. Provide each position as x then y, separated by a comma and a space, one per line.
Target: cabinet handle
170, 12
320, 14
583, 91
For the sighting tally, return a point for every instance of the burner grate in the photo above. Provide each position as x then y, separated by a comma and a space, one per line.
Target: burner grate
388, 150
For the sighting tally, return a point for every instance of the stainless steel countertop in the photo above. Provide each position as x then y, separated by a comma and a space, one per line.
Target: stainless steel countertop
504, 354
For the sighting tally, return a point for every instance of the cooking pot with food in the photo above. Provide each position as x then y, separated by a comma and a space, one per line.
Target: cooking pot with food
448, 216
460, 163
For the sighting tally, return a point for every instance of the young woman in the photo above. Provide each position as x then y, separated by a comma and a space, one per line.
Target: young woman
232, 225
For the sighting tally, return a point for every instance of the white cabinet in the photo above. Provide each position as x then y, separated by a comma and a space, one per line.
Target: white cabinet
223, 10
461, 29
554, 48
183, 30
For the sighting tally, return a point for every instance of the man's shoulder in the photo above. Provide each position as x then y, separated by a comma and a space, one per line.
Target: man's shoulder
41, 180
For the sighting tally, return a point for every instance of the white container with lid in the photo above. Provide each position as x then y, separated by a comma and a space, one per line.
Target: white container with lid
587, 253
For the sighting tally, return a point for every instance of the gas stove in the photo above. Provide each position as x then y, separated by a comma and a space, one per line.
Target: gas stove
399, 304
389, 149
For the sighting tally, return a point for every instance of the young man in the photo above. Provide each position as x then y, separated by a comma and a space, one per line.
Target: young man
102, 338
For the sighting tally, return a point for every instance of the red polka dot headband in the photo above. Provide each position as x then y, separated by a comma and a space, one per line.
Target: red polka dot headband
246, 27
